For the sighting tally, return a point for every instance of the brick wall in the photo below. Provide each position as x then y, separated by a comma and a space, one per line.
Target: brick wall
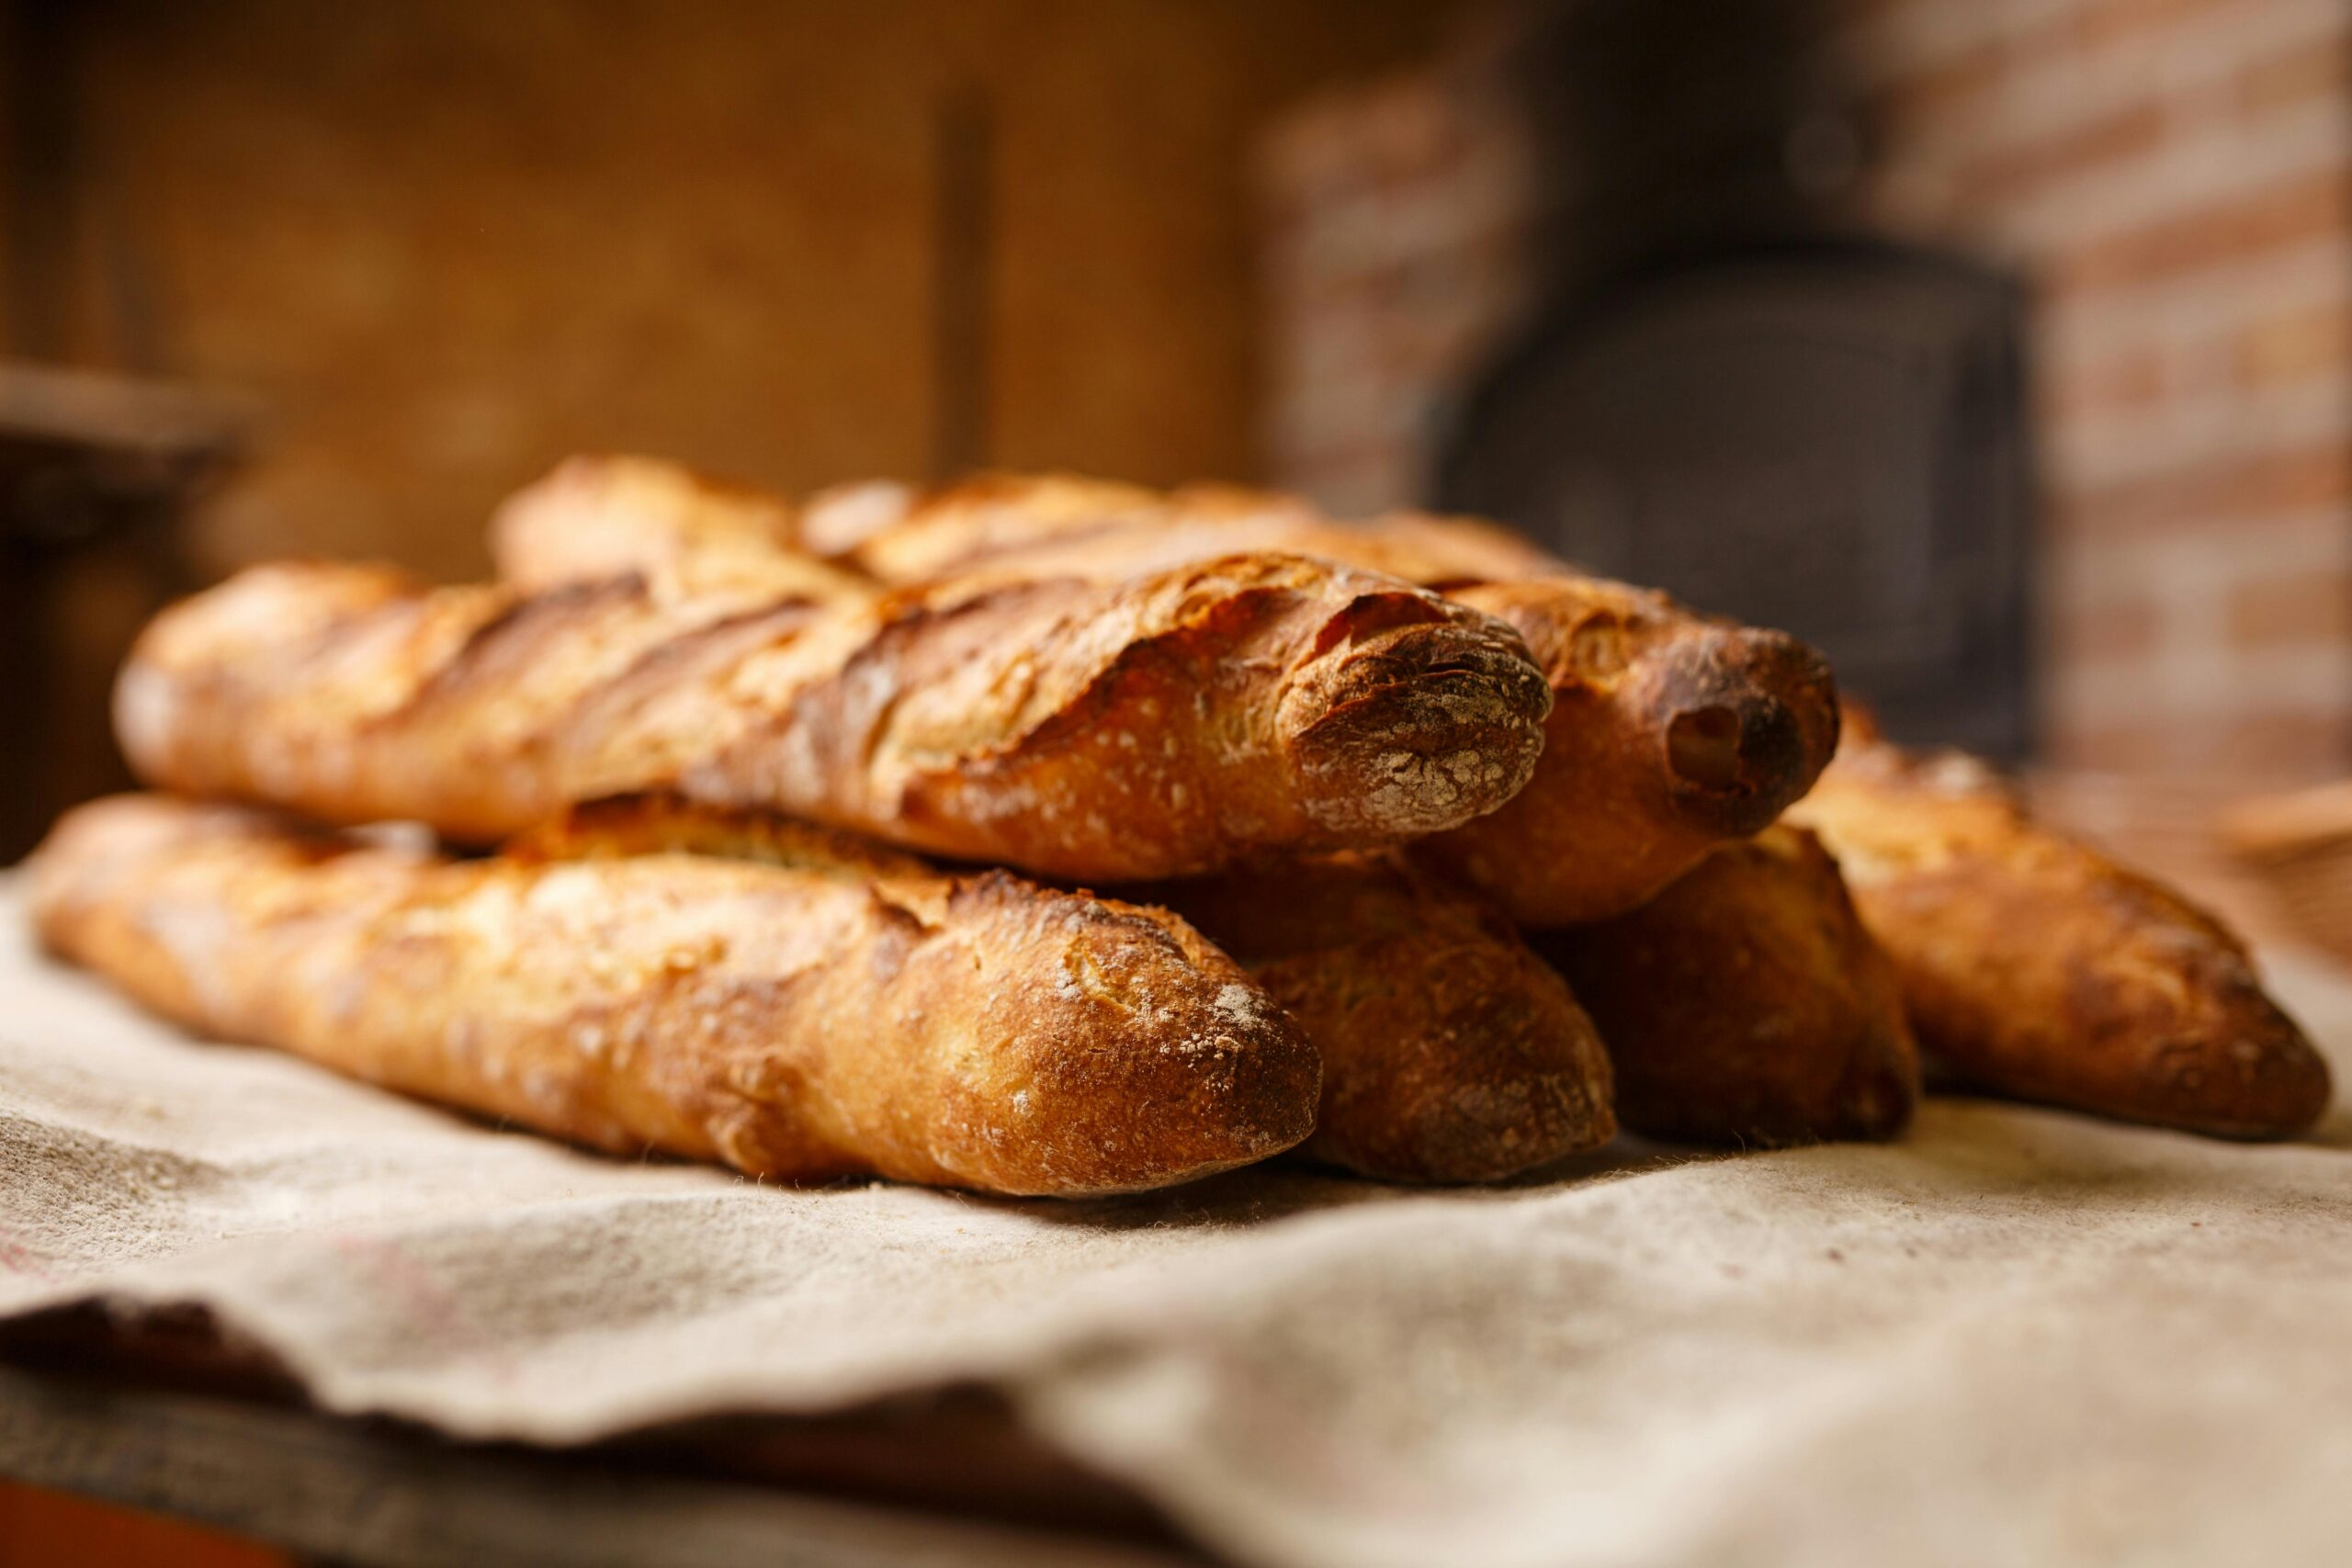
2174, 179
1395, 222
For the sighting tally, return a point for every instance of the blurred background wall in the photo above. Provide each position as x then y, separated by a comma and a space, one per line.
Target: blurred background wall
2169, 183
447, 242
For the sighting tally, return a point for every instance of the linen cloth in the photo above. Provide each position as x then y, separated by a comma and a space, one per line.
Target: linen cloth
2016, 1336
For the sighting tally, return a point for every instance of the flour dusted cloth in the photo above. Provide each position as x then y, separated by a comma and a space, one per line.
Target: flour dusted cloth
2019, 1337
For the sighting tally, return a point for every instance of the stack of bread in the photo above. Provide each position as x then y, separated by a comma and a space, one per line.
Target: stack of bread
1046, 836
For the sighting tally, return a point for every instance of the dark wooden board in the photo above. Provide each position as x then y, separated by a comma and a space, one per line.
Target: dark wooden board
200, 1437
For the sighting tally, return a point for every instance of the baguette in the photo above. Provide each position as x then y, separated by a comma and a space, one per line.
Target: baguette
2035, 968
1669, 732
899, 535
894, 534
1450, 1052
831, 1014
1747, 1004
693, 539
1155, 726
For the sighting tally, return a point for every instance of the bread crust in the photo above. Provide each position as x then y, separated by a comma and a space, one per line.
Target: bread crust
902, 534
1669, 732
1451, 1053
826, 1014
1747, 1004
691, 538
2034, 967
1157, 725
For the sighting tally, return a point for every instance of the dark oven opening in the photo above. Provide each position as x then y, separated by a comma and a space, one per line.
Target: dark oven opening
1731, 393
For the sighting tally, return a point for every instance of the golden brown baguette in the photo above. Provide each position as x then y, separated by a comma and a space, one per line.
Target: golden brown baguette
1152, 726
691, 538
825, 1015
2034, 967
1450, 1052
1746, 1004
899, 534
1670, 732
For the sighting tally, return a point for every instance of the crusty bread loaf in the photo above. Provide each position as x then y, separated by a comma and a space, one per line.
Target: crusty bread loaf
825, 1015
1155, 725
898, 534
1746, 1004
2033, 966
692, 538
1451, 1053
1670, 732
598, 516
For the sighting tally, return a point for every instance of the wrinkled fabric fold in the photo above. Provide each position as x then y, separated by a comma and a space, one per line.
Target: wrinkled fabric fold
2015, 1336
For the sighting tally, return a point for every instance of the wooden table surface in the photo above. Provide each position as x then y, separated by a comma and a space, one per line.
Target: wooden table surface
364, 1493
166, 1415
